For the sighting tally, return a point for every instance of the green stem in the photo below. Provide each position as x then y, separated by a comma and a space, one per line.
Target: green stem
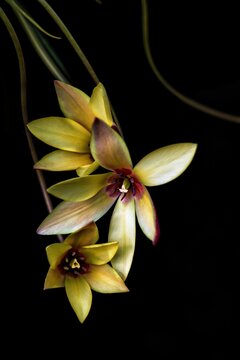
77, 49
23, 81
193, 103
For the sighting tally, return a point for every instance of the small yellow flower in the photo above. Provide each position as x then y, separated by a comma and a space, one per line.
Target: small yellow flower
71, 134
80, 265
89, 198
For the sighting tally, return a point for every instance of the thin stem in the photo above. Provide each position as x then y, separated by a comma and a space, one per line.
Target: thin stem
195, 104
77, 49
23, 81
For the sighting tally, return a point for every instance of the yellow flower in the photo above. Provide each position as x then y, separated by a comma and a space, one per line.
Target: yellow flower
88, 198
71, 134
79, 265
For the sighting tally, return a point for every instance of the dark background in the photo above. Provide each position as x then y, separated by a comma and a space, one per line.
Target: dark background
183, 292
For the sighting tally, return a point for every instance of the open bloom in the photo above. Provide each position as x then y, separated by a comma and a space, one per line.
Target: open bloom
88, 198
71, 134
79, 265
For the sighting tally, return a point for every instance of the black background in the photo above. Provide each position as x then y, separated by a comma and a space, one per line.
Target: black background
183, 292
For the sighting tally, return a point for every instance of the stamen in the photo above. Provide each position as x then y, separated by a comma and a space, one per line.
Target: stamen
123, 189
74, 264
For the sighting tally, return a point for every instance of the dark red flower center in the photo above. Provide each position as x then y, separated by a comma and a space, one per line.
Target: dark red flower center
123, 182
73, 264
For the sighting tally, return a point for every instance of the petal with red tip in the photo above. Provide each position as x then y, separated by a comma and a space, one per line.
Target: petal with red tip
146, 215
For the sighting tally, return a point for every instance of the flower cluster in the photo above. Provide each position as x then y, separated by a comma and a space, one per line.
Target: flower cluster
86, 139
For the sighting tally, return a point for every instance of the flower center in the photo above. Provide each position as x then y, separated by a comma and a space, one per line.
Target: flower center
123, 183
74, 264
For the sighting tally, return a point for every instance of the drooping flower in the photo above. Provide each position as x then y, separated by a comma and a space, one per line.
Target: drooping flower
71, 134
88, 198
80, 265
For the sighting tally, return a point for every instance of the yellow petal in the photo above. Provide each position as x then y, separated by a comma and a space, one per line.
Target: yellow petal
100, 104
61, 133
99, 254
74, 104
108, 148
79, 295
86, 236
55, 253
60, 160
68, 217
147, 217
79, 189
104, 279
87, 169
54, 279
165, 164
123, 230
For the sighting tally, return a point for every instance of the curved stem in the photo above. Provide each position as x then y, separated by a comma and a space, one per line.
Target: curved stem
23, 81
193, 103
77, 49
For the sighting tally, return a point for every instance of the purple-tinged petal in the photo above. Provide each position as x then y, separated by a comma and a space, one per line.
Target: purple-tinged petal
68, 217
108, 147
146, 215
79, 295
104, 279
123, 230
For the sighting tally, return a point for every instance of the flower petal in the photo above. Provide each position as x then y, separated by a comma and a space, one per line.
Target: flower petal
61, 133
100, 104
165, 164
74, 104
108, 148
79, 189
68, 217
123, 230
86, 236
147, 217
60, 160
99, 254
87, 169
54, 279
79, 295
55, 253
104, 279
